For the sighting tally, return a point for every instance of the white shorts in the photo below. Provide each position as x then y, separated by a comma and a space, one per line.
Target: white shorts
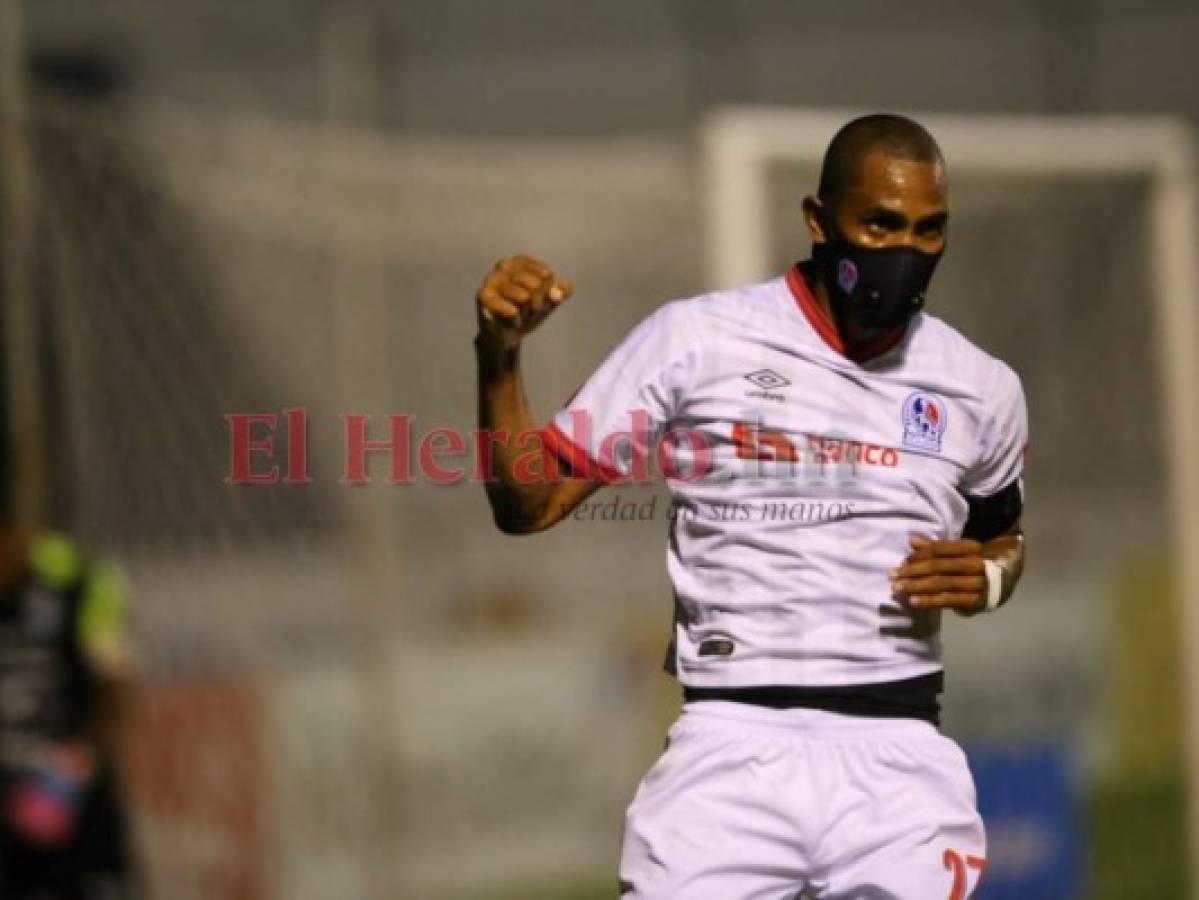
750, 803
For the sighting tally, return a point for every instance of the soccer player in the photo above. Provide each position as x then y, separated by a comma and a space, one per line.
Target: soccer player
844, 467
65, 669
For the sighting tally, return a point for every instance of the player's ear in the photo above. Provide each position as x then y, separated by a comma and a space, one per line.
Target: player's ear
813, 216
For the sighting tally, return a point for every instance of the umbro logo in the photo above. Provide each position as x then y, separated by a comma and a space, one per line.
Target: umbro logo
767, 379
768, 383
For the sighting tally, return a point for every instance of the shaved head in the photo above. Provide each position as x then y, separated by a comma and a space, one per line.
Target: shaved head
882, 198
897, 137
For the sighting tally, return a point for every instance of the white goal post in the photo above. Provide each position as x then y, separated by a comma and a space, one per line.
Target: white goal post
740, 144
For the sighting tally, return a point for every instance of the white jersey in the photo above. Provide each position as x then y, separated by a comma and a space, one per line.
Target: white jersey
798, 476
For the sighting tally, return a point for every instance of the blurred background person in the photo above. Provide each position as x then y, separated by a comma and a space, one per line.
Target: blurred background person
65, 683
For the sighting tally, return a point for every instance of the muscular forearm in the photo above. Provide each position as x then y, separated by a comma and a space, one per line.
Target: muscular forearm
526, 490
518, 503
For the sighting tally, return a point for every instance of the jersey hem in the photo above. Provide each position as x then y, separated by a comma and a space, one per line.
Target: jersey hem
772, 672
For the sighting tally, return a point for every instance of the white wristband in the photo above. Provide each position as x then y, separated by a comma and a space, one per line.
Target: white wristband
994, 573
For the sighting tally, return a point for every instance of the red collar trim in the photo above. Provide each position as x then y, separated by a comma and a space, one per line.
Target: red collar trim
811, 310
827, 329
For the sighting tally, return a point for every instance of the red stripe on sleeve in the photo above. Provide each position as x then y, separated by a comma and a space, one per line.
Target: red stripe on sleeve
580, 462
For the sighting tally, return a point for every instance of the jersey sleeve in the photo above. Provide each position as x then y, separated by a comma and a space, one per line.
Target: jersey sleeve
102, 625
1003, 439
609, 428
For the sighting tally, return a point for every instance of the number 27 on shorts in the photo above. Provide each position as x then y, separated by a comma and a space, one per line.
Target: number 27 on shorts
956, 864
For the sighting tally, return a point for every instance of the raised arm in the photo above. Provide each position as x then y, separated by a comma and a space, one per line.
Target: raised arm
514, 299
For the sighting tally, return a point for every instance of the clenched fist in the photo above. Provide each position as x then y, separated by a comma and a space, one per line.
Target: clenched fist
516, 297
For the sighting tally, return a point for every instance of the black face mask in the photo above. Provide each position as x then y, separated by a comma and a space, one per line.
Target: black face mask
874, 287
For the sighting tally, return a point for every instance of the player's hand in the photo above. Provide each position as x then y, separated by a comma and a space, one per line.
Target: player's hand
517, 296
943, 575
